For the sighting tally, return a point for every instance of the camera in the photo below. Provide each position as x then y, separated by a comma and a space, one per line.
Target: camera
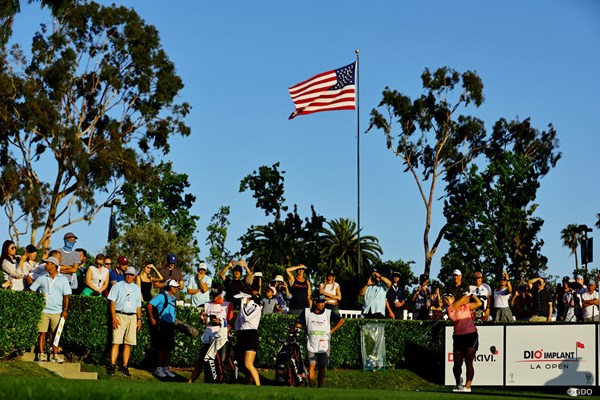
374, 277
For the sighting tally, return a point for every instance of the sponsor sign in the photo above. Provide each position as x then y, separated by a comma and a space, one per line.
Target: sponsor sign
489, 360
551, 355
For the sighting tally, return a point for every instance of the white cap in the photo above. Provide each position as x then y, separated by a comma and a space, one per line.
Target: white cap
203, 266
241, 295
278, 278
456, 272
171, 283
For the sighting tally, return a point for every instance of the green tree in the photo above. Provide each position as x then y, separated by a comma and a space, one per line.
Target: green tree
340, 247
97, 100
9, 8
217, 235
267, 188
434, 140
491, 222
570, 237
151, 242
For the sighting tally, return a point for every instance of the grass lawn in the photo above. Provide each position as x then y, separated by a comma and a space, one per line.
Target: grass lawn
23, 380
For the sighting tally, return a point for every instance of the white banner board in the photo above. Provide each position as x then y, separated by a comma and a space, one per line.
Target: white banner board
551, 355
489, 361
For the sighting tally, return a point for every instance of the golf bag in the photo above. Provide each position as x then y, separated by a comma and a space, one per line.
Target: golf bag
289, 365
220, 365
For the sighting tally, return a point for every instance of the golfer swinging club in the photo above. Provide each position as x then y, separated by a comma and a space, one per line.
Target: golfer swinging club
465, 337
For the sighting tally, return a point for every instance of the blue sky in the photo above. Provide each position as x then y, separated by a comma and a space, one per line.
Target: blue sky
537, 59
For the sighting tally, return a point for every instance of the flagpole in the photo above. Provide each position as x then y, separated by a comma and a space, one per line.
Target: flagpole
358, 161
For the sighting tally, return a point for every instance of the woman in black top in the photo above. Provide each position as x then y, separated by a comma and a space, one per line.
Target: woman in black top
300, 289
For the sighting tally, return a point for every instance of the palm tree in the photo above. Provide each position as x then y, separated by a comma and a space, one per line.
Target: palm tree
340, 246
570, 237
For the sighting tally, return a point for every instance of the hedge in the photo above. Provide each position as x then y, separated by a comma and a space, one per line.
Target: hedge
87, 335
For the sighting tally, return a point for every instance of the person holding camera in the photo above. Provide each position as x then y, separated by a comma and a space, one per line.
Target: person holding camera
502, 309
420, 299
281, 295
374, 295
235, 284
217, 316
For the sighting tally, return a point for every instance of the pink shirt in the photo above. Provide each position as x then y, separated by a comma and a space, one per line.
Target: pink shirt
461, 318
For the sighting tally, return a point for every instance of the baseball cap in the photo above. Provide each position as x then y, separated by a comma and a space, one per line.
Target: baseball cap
171, 283
123, 260
69, 235
52, 260
331, 273
278, 278
203, 266
591, 282
241, 295
578, 277
456, 272
447, 295
478, 275
171, 258
565, 279
272, 289
395, 273
320, 298
131, 271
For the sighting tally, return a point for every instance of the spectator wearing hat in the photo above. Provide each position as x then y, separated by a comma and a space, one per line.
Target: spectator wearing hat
217, 316
70, 260
541, 300
198, 286
269, 303
235, 284
56, 288
502, 309
589, 303
374, 295
484, 292
317, 322
118, 274
146, 279
283, 293
420, 299
300, 289
332, 292
96, 278
568, 300
162, 312
457, 287
171, 271
125, 305
395, 298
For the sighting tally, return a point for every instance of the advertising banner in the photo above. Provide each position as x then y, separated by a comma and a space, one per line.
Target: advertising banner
551, 355
488, 364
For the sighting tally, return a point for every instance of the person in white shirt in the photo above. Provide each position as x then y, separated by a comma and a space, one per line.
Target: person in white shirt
589, 303
331, 290
246, 326
483, 292
501, 300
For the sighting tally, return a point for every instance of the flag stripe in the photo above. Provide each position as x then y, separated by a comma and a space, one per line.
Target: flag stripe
328, 91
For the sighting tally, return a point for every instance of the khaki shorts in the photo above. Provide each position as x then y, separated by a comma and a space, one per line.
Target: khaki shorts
51, 320
127, 330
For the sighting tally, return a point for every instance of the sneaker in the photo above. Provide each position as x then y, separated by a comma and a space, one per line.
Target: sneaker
160, 372
125, 371
41, 357
169, 373
57, 359
462, 389
110, 370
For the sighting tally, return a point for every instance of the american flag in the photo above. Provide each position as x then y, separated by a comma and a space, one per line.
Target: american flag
329, 91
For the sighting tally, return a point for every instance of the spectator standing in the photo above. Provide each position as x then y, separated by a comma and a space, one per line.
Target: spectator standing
125, 304
235, 284
283, 293
420, 299
501, 300
81, 271
162, 312
28, 263
435, 303
269, 303
171, 271
589, 303
198, 286
457, 287
317, 322
559, 295
484, 292
145, 280
300, 289
217, 316
395, 298
541, 300
521, 303
465, 338
57, 289
374, 295
118, 274
246, 326
568, 301
11, 270
332, 292
96, 278
108, 265
70, 260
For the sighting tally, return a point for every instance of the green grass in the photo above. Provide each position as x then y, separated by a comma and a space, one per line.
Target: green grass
22, 380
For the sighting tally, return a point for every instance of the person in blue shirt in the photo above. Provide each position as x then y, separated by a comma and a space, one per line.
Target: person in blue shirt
162, 312
125, 304
57, 288
374, 293
198, 286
